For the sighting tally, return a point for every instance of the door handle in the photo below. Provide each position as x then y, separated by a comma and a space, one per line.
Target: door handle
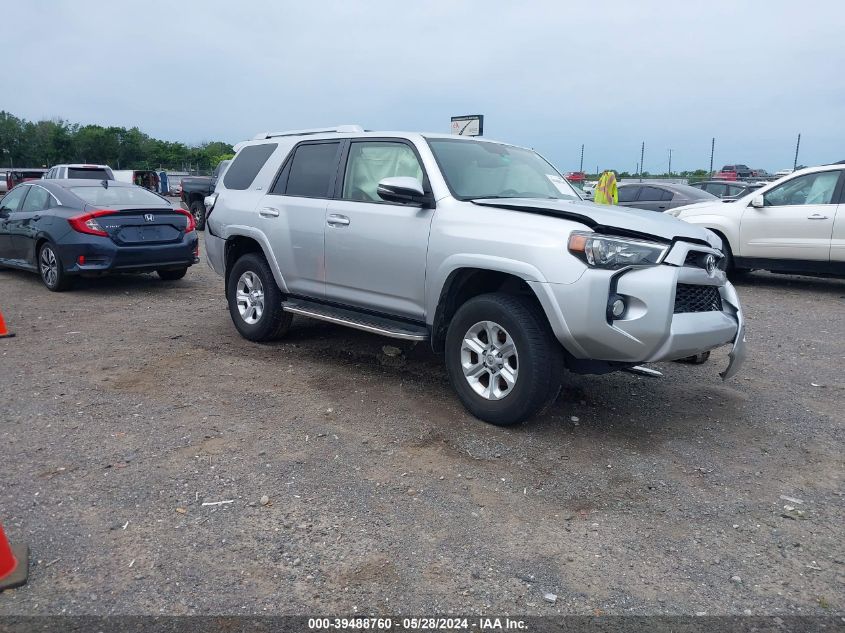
817, 216
337, 220
269, 212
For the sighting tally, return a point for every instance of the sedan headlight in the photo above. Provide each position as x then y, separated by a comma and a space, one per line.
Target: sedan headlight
605, 251
674, 212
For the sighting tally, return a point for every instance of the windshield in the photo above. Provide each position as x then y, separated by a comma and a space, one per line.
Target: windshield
103, 196
480, 169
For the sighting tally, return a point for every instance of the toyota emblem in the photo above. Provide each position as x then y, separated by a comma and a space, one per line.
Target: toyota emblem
710, 265
149, 217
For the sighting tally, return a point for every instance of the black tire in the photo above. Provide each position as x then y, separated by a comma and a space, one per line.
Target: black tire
730, 266
273, 322
172, 274
539, 362
198, 211
51, 269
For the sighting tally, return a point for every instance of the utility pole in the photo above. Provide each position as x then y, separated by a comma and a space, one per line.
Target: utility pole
581, 168
670, 163
797, 145
712, 149
642, 164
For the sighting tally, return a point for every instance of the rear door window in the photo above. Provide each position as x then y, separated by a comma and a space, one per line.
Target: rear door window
628, 194
311, 172
37, 200
652, 194
247, 164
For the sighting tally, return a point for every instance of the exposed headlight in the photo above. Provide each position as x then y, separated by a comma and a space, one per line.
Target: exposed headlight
604, 251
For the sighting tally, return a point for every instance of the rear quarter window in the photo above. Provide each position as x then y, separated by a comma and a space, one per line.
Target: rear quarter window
246, 165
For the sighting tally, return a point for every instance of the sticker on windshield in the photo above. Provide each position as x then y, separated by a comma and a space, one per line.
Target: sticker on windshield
560, 184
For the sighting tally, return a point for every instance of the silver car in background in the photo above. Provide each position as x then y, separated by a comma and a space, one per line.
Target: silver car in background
480, 248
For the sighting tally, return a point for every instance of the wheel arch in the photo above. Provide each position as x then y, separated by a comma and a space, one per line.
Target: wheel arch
241, 241
464, 283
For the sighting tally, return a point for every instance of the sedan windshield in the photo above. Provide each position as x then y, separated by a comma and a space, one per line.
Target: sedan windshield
107, 196
480, 169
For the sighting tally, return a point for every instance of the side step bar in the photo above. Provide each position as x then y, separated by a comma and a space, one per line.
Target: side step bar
358, 320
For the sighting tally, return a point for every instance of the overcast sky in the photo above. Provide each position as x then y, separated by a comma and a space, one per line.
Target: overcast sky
606, 74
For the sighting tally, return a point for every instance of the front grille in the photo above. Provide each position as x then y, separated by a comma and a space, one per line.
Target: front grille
693, 298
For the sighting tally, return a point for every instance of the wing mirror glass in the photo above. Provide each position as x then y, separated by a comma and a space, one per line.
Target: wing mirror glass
757, 201
402, 190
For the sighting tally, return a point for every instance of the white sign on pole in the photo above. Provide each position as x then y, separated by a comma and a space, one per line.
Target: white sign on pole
469, 125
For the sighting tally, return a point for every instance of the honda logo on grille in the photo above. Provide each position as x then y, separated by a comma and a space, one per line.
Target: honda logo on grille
149, 217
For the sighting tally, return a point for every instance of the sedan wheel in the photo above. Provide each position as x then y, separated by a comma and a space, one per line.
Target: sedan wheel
50, 269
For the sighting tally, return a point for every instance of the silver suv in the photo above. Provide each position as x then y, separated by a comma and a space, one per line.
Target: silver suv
480, 248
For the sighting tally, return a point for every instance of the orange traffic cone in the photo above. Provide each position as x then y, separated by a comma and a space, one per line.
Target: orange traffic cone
14, 563
4, 331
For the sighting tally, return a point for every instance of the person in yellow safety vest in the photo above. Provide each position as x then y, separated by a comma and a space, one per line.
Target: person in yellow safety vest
606, 191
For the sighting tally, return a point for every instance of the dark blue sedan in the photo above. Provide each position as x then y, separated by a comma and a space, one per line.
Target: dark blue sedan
63, 228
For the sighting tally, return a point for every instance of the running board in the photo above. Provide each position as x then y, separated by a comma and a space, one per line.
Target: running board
358, 320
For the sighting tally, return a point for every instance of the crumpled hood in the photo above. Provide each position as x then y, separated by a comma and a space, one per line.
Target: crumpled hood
606, 218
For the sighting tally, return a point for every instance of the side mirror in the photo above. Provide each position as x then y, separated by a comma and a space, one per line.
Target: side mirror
402, 190
757, 201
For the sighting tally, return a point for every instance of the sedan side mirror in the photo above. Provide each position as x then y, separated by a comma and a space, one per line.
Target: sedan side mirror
402, 190
757, 202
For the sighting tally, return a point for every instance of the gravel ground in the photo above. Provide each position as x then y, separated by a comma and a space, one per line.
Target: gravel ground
355, 481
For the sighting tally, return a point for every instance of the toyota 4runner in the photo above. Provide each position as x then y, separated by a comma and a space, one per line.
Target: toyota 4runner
480, 248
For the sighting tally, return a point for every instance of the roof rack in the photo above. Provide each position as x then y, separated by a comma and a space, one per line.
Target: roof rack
340, 129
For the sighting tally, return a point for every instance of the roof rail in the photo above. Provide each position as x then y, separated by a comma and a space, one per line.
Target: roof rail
348, 129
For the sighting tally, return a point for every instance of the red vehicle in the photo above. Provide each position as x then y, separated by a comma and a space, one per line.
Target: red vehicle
576, 176
17, 176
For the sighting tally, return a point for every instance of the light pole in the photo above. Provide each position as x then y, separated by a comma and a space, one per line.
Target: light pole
670, 163
5, 151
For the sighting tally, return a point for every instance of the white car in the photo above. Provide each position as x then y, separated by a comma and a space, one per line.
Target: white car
793, 225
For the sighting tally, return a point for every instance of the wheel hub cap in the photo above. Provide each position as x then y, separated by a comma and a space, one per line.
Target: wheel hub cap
249, 295
489, 360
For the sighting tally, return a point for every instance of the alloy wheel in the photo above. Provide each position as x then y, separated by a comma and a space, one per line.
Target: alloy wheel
249, 294
489, 360
49, 266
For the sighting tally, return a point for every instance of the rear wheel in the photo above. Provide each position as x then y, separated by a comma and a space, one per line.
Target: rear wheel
255, 301
198, 211
502, 358
51, 270
172, 274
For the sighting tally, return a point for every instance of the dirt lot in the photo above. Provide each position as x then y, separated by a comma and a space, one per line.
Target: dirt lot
129, 402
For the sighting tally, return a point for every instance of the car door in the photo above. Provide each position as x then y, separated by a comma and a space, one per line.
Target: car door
376, 250
9, 206
23, 224
837, 241
795, 221
293, 215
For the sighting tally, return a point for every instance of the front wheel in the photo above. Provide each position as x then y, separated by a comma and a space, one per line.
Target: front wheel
198, 211
255, 301
51, 270
502, 358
